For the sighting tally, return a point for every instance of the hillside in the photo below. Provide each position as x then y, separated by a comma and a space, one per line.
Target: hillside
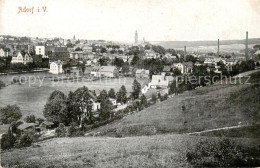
210, 107
180, 44
81, 152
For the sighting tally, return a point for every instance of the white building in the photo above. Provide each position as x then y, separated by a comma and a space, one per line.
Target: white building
40, 50
185, 67
3, 53
56, 67
22, 58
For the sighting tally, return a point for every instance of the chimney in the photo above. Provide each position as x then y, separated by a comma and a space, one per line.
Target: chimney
246, 50
184, 51
218, 47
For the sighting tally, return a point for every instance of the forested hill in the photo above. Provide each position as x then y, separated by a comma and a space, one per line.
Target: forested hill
180, 44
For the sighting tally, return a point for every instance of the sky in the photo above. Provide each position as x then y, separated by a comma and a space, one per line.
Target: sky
117, 20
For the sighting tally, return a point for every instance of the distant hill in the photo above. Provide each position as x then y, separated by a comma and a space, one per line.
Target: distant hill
180, 44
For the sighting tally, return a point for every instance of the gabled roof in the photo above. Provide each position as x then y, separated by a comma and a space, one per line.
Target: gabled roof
25, 126
107, 69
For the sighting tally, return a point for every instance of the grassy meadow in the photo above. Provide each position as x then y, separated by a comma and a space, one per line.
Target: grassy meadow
31, 98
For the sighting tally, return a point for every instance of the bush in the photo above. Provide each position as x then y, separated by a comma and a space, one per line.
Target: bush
73, 130
2, 84
24, 141
8, 140
223, 153
30, 119
61, 130
9, 114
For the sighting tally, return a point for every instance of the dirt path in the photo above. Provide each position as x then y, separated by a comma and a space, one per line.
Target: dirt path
216, 129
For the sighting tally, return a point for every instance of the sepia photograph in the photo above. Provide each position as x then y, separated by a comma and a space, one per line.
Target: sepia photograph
129, 83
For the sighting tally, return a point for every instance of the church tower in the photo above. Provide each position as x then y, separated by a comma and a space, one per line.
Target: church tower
136, 37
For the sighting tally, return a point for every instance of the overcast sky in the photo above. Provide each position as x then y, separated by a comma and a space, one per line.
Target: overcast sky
117, 20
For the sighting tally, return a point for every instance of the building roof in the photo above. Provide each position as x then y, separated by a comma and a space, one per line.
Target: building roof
48, 123
107, 69
25, 126
166, 68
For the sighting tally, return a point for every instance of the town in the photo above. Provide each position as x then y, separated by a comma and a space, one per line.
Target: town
113, 80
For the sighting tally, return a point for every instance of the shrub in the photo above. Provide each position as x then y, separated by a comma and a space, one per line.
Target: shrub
61, 130
8, 140
223, 153
2, 84
73, 130
30, 119
24, 141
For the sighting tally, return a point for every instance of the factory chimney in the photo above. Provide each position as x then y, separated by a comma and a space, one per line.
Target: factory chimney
218, 47
246, 50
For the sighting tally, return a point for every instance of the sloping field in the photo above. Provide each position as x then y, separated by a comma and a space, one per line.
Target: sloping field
155, 151
216, 106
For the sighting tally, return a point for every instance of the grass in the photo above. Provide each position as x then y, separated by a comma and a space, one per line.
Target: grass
142, 151
31, 99
209, 107
155, 151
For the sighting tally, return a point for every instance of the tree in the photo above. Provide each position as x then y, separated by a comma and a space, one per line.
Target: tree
55, 109
154, 98
136, 89
112, 93
103, 61
9, 114
121, 95
176, 72
190, 58
78, 49
144, 101
105, 109
102, 96
30, 119
83, 103
135, 60
8, 140
118, 62
125, 68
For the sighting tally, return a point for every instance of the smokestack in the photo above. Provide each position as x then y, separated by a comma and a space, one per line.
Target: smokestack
246, 50
184, 51
218, 47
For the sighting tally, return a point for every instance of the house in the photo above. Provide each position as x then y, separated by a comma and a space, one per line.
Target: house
145, 89
170, 79
142, 73
113, 101
75, 71
23, 58
95, 105
158, 81
3, 53
40, 50
185, 67
109, 71
56, 67
166, 69
47, 125
95, 71
26, 127
151, 54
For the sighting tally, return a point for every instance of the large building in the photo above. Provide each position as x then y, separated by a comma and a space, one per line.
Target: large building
56, 67
40, 50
